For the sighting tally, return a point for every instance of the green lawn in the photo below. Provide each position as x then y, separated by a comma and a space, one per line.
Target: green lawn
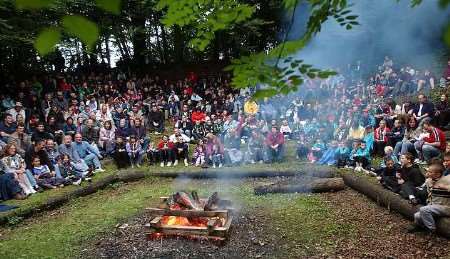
65, 232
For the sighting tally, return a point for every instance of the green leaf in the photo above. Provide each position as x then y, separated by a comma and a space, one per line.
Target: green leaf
46, 40
260, 94
348, 27
112, 6
444, 3
447, 35
79, 26
351, 17
33, 4
311, 75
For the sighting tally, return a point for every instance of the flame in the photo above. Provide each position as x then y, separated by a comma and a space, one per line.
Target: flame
183, 221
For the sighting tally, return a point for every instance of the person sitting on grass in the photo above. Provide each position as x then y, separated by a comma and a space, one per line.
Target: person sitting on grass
286, 129
67, 171
329, 156
362, 158
89, 154
342, 152
387, 175
274, 145
232, 145
214, 150
409, 179
438, 202
44, 177
316, 151
433, 142
120, 154
255, 148
152, 153
198, 158
180, 150
135, 152
165, 148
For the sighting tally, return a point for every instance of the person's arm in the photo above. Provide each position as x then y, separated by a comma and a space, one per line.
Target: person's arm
92, 149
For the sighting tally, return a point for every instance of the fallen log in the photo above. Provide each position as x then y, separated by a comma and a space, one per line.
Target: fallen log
232, 174
391, 200
312, 185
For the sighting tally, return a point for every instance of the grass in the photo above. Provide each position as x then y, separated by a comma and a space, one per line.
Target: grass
63, 233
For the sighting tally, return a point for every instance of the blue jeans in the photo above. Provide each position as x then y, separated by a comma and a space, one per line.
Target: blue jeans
275, 155
31, 178
92, 159
425, 216
402, 147
428, 152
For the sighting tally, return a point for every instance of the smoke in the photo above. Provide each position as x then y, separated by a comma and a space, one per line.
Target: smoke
409, 35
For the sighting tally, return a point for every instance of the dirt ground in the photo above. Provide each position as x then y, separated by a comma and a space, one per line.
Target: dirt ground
377, 234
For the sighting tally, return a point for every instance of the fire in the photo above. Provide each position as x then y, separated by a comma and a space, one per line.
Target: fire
183, 221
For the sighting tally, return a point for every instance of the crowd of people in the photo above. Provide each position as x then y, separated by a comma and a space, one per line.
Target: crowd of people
56, 129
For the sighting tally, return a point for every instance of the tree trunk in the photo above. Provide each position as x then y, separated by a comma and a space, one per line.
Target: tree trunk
314, 185
178, 45
139, 40
108, 50
241, 174
391, 200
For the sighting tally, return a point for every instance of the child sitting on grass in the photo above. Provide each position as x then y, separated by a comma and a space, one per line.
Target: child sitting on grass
67, 171
329, 157
316, 151
120, 156
44, 177
199, 154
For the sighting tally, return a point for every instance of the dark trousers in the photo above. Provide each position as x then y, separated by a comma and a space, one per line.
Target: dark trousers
166, 155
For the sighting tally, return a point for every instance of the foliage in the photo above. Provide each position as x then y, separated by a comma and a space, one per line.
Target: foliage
206, 17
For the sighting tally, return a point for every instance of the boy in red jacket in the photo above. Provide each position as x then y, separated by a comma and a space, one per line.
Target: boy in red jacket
274, 145
165, 148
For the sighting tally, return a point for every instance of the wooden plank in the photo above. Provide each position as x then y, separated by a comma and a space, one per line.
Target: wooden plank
189, 213
152, 236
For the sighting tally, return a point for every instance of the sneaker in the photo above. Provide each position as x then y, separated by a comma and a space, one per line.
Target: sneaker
186, 162
99, 170
162, 164
175, 163
78, 182
220, 165
169, 164
138, 165
132, 166
89, 179
214, 165
38, 188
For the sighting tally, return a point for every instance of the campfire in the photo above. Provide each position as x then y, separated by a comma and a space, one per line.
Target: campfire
187, 215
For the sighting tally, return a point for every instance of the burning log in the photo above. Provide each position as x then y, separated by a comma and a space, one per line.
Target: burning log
213, 202
391, 200
313, 185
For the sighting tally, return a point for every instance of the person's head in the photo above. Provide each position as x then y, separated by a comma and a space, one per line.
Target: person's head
137, 122
10, 149
67, 140
435, 171
165, 138
40, 127
18, 106
389, 162
69, 121
50, 144
122, 123
107, 125
119, 140
36, 161
426, 124
274, 129
90, 123
406, 159
20, 129
39, 144
422, 98
412, 123
154, 108
397, 123
8, 119
382, 124
444, 97
132, 139
388, 150
446, 161
78, 138
65, 158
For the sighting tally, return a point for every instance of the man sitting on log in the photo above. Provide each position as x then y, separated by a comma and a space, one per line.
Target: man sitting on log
438, 202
